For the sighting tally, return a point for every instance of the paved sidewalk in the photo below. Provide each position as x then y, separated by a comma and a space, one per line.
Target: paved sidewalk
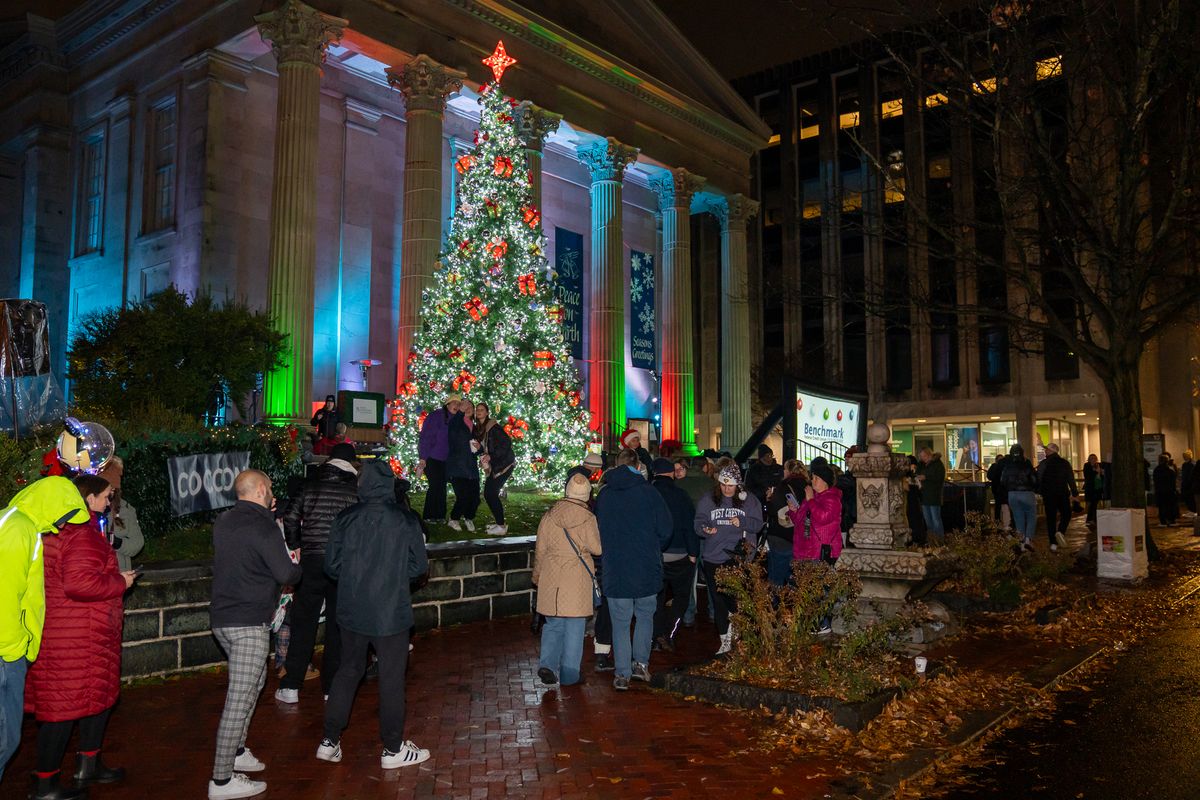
473, 701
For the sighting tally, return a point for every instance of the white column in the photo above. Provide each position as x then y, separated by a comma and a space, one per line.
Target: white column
425, 84
732, 212
534, 124
299, 35
675, 190
606, 160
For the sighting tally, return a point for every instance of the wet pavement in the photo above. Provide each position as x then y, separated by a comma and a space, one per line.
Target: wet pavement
474, 702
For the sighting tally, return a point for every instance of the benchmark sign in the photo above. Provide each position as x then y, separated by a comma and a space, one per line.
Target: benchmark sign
828, 422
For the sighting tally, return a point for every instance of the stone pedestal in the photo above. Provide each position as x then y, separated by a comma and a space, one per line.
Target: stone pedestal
891, 575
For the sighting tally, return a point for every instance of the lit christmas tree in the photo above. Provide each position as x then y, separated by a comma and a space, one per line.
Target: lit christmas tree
491, 328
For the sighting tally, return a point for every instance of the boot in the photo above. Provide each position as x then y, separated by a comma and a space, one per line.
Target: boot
48, 789
91, 769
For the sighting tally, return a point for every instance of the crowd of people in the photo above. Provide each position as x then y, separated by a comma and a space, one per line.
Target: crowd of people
624, 549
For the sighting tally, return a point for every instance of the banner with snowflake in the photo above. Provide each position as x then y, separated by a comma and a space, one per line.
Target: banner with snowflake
641, 310
568, 288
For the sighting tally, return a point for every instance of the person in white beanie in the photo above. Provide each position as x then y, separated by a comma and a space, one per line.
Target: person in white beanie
725, 518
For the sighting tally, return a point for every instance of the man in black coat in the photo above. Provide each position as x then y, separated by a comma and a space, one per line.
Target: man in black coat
679, 557
1056, 482
326, 419
306, 528
375, 550
763, 475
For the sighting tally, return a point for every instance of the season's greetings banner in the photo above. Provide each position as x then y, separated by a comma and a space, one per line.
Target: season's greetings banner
568, 263
641, 310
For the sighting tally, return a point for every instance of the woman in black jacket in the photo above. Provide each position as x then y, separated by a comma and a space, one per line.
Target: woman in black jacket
497, 459
461, 468
1166, 493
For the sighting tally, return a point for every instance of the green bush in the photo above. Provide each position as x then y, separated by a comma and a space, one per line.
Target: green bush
21, 459
984, 556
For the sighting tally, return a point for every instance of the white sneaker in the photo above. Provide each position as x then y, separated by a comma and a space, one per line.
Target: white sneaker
497, 530
1060, 539
289, 696
470, 525
239, 786
329, 751
1053, 548
455, 525
409, 755
247, 762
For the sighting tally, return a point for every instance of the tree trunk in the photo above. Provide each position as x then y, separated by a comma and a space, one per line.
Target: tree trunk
1128, 488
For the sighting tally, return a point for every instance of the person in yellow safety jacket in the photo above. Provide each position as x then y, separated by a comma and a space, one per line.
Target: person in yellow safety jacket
42, 507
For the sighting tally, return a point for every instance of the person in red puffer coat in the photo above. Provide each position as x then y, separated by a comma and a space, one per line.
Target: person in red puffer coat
77, 675
823, 504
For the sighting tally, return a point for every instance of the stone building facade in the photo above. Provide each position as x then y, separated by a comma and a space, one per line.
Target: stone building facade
299, 157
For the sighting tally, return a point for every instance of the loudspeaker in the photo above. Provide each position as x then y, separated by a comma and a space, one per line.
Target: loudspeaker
24, 339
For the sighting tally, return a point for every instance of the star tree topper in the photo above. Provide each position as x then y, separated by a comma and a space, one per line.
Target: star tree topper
499, 61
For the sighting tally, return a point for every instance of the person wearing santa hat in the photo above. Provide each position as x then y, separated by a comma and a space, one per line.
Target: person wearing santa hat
632, 440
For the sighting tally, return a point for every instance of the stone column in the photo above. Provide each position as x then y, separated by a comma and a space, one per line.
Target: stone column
732, 212
675, 190
425, 85
606, 160
298, 35
46, 232
534, 124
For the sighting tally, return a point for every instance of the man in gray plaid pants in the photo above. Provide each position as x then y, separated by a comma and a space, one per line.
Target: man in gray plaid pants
250, 563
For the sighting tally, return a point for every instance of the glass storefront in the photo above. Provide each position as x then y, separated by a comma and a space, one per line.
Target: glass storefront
969, 447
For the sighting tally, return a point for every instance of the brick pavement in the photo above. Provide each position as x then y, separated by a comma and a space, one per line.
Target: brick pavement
473, 701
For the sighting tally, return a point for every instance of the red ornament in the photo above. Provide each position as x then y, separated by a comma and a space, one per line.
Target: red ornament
531, 216
412, 356
465, 164
499, 61
515, 428
476, 308
502, 167
421, 418
543, 359
574, 399
527, 283
408, 388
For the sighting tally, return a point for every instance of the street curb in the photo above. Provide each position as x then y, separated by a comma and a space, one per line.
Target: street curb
923, 761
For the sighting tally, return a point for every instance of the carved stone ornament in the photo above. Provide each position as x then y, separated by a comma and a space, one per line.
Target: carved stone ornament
425, 83
534, 124
298, 32
733, 209
606, 159
675, 188
871, 498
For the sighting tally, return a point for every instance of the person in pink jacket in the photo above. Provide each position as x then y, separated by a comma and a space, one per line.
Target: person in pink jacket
823, 507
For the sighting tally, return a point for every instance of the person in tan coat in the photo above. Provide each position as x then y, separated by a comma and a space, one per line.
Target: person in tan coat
564, 572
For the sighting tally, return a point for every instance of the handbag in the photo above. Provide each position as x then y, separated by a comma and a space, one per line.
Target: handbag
597, 595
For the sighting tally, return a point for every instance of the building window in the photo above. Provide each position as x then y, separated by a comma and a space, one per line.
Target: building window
161, 171
993, 354
90, 206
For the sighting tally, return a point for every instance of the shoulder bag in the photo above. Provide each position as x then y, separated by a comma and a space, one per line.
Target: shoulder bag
597, 595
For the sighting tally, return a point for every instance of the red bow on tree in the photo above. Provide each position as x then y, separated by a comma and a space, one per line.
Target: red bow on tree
515, 428
543, 359
531, 216
476, 308
463, 382
556, 313
464, 164
502, 167
497, 248
527, 283
408, 387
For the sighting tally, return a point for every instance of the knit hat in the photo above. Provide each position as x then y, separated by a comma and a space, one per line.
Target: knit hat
578, 488
344, 451
662, 466
628, 436
593, 461
330, 399
824, 472
730, 476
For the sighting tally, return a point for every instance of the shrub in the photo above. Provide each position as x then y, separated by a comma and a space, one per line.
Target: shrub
777, 644
21, 459
983, 556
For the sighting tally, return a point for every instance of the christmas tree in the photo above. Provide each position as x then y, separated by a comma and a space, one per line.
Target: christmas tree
491, 329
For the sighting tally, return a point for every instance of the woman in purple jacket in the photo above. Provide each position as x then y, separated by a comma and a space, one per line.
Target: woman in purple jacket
432, 448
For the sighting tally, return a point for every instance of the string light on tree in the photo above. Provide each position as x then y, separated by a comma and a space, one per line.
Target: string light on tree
491, 328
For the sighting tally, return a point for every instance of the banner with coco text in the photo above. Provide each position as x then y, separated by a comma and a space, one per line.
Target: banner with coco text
568, 263
204, 482
641, 310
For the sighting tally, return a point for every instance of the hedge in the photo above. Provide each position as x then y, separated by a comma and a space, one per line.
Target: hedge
145, 453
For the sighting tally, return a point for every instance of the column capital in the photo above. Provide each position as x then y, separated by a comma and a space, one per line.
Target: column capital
732, 210
675, 188
606, 159
425, 83
299, 33
534, 124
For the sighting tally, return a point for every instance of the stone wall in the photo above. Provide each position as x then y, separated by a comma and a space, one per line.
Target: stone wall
166, 613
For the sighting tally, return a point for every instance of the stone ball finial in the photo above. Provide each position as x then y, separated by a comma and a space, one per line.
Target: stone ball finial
878, 436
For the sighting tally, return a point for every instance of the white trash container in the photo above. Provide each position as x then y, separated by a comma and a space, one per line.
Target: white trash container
1121, 544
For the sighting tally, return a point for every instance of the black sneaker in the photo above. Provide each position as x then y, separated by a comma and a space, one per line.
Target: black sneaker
621, 684
665, 643
604, 662
547, 676
641, 672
